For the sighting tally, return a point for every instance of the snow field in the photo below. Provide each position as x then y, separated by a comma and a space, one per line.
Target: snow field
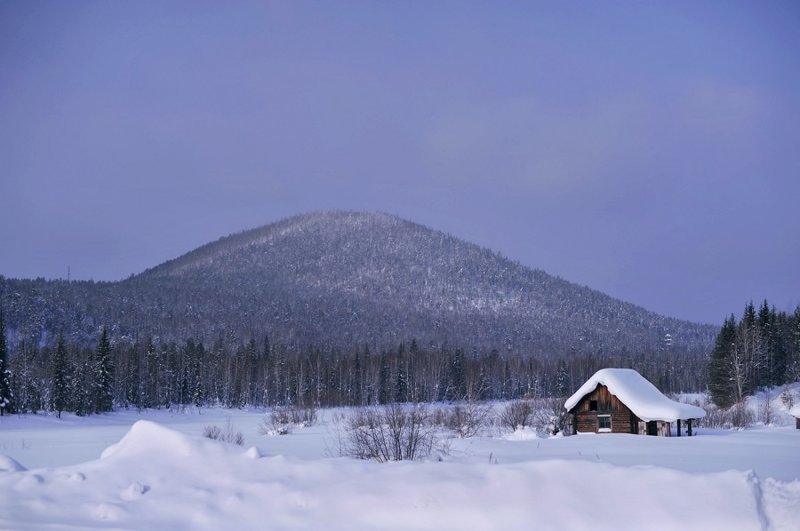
158, 477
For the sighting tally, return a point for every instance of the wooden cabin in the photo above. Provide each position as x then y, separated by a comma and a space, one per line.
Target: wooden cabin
623, 401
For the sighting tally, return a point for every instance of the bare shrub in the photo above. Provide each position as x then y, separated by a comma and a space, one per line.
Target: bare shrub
469, 419
388, 433
305, 416
517, 415
736, 416
765, 412
228, 434
787, 399
741, 416
550, 417
283, 420
212, 432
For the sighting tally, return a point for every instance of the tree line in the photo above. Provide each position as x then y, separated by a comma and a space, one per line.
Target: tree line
759, 350
70, 377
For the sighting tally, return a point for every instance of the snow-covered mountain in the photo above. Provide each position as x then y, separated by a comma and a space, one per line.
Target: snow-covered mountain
340, 279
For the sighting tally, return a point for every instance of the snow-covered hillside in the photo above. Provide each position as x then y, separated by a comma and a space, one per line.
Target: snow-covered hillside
340, 279
154, 471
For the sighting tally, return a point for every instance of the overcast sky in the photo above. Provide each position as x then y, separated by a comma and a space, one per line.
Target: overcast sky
648, 150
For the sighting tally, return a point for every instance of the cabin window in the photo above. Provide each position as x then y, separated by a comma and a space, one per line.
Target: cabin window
603, 423
592, 405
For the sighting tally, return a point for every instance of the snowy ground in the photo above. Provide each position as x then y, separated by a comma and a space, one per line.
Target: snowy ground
110, 471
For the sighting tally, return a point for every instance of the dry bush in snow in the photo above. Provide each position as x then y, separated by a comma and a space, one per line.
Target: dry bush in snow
550, 417
468, 419
517, 414
283, 420
228, 434
387, 433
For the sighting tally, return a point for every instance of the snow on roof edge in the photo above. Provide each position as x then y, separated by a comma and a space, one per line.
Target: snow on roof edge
636, 392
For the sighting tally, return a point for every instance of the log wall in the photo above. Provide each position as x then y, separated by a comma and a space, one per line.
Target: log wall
585, 420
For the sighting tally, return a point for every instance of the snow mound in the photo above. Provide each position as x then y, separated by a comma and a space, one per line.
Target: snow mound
134, 490
781, 502
253, 453
795, 411
522, 434
8, 464
146, 437
642, 397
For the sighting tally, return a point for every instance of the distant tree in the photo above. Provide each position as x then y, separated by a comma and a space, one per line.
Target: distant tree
385, 391
793, 347
401, 386
761, 350
60, 392
81, 388
5, 374
457, 390
720, 383
104, 375
563, 385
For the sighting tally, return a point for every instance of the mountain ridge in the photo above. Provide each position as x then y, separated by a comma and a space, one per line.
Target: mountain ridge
343, 278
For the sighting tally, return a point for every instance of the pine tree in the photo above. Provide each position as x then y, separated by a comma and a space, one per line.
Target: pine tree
457, 390
401, 386
766, 329
152, 391
60, 391
267, 372
5, 374
720, 384
793, 347
357, 386
385, 392
104, 375
80, 387
562, 379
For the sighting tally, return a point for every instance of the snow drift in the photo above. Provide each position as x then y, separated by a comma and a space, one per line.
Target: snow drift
158, 478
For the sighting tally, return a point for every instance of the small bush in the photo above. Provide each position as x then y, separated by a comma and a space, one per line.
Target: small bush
387, 433
787, 399
736, 416
212, 432
550, 417
228, 435
283, 420
305, 416
469, 419
517, 415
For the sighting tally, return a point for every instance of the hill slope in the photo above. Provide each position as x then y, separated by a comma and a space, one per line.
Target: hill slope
339, 279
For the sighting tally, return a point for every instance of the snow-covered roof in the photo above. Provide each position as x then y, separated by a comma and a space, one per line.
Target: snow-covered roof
642, 397
795, 411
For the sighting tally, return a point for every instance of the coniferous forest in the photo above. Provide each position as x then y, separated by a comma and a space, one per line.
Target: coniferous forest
86, 380
762, 349
342, 308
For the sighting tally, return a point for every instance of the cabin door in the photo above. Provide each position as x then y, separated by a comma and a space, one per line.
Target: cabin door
652, 428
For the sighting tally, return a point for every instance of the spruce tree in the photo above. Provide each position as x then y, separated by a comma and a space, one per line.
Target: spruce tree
457, 389
60, 391
5, 373
385, 392
720, 382
104, 375
401, 386
562, 379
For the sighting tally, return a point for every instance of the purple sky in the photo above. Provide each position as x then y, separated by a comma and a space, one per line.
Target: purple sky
648, 150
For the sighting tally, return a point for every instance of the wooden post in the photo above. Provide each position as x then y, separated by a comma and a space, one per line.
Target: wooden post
679, 427
689, 428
